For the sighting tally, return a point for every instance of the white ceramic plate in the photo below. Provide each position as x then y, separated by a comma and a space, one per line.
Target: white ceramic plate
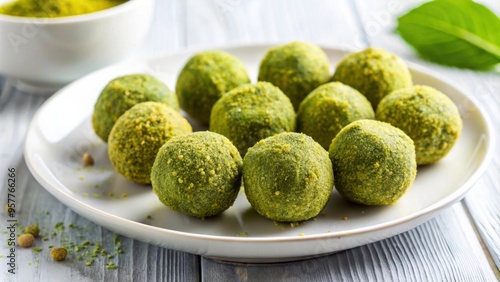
61, 132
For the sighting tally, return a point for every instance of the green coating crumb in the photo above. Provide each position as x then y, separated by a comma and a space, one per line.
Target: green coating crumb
89, 262
330, 107
373, 72
37, 249
425, 114
296, 68
111, 265
288, 177
252, 112
197, 174
205, 78
122, 93
373, 162
138, 135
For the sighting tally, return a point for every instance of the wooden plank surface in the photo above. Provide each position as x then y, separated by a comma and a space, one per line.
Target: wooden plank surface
443, 249
446, 248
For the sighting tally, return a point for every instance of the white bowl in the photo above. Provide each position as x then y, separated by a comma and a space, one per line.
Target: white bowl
55, 51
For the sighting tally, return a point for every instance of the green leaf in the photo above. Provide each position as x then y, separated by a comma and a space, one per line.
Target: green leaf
457, 33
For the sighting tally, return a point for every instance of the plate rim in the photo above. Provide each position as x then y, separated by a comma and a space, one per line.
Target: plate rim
70, 200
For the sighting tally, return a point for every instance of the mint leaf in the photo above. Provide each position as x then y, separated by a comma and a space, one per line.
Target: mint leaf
456, 33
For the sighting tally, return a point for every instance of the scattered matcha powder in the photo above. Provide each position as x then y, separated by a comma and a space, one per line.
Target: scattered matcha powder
111, 265
89, 262
69, 246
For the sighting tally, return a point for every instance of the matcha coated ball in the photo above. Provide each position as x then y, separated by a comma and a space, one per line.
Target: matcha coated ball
137, 136
373, 162
121, 93
197, 174
252, 112
288, 177
373, 72
425, 114
330, 107
205, 78
296, 68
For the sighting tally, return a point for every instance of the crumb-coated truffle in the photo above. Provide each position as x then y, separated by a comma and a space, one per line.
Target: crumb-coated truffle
121, 93
296, 68
252, 112
373, 162
425, 114
137, 136
330, 107
373, 72
205, 78
197, 174
288, 177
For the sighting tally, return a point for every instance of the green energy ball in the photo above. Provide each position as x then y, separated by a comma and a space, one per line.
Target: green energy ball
197, 174
121, 93
373, 72
205, 78
137, 136
252, 112
373, 162
296, 68
425, 114
330, 107
288, 177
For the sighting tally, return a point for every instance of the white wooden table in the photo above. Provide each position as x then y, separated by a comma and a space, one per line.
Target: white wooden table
460, 244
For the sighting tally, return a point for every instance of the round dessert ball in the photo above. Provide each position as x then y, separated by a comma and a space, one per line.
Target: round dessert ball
288, 177
197, 174
205, 78
373, 162
252, 112
137, 136
121, 93
296, 68
373, 72
425, 114
330, 107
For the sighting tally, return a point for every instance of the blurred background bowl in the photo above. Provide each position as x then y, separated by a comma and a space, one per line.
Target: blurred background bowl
51, 52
